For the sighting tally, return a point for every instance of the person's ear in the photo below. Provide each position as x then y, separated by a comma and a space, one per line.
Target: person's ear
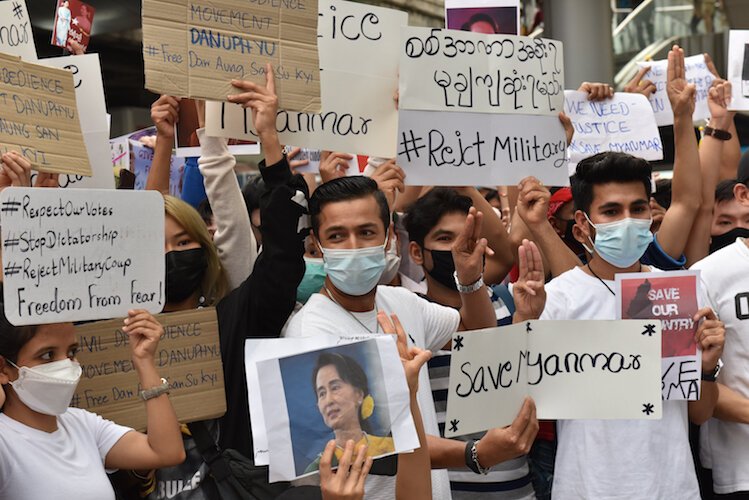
416, 254
741, 193
582, 230
4, 369
315, 241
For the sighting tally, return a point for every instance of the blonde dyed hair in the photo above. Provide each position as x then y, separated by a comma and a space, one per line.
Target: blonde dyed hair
215, 284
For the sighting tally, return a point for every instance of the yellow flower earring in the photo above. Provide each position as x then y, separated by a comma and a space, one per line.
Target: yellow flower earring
367, 407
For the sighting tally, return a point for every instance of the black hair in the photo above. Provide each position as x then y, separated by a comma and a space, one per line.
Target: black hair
724, 190
477, 18
13, 338
603, 168
349, 371
252, 192
663, 192
345, 189
742, 174
427, 211
205, 211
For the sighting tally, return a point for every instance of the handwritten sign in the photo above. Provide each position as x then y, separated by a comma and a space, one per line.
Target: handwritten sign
478, 149
671, 298
572, 370
74, 255
358, 112
738, 69
194, 48
188, 356
447, 70
142, 160
696, 73
39, 117
92, 109
16, 35
624, 123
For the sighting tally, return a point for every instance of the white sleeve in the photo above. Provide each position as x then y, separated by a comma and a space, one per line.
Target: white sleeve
440, 323
105, 432
556, 304
234, 238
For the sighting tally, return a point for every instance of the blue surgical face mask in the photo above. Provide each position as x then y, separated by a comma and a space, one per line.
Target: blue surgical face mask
623, 242
355, 271
313, 280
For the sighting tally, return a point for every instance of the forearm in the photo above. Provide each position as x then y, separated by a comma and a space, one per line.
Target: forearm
271, 147
164, 437
446, 453
477, 311
414, 479
520, 231
731, 157
559, 258
731, 406
158, 176
498, 265
700, 411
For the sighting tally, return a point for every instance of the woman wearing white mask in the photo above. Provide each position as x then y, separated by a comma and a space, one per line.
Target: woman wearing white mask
48, 450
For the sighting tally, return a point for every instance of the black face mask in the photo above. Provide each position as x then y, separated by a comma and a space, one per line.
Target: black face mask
726, 239
443, 268
184, 273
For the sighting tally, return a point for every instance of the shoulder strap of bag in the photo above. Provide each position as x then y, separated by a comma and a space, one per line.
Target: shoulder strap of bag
210, 451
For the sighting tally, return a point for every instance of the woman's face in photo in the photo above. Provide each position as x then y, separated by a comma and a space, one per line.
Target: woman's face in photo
337, 401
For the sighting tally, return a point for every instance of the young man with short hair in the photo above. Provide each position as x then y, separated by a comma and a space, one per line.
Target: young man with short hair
351, 224
730, 217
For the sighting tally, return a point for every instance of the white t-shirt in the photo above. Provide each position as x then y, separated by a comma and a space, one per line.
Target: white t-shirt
725, 445
428, 326
65, 464
616, 459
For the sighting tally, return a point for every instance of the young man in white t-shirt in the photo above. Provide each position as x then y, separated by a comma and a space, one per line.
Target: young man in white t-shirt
351, 223
725, 438
615, 459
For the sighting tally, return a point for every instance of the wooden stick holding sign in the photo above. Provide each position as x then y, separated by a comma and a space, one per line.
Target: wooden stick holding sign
39, 117
188, 357
74, 255
572, 369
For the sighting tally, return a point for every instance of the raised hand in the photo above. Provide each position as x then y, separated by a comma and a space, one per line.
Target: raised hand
639, 86
528, 291
506, 443
16, 170
681, 94
718, 100
533, 201
261, 99
597, 91
144, 332
412, 358
333, 165
295, 164
469, 249
711, 336
389, 177
347, 483
164, 114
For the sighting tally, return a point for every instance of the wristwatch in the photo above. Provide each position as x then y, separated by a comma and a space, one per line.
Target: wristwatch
155, 392
473, 287
721, 135
711, 376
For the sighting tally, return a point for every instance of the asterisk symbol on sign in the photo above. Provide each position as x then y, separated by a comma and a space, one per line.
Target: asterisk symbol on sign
649, 330
458, 342
75, 22
454, 425
647, 408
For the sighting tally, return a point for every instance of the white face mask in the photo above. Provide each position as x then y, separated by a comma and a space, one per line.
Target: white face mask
48, 388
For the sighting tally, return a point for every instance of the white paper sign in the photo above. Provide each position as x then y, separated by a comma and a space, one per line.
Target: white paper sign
448, 70
74, 255
303, 411
16, 35
358, 46
92, 110
738, 69
696, 73
480, 149
624, 123
572, 370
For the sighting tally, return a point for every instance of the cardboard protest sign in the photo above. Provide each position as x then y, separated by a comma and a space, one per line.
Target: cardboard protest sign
188, 357
195, 48
39, 117
624, 123
696, 73
92, 110
73, 21
16, 35
572, 370
75, 255
738, 69
358, 111
483, 16
304, 408
672, 298
479, 149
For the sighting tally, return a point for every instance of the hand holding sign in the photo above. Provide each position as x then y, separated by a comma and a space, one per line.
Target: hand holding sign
164, 114
529, 292
469, 249
681, 94
711, 336
333, 165
347, 483
597, 91
261, 100
16, 170
639, 86
389, 177
506, 443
